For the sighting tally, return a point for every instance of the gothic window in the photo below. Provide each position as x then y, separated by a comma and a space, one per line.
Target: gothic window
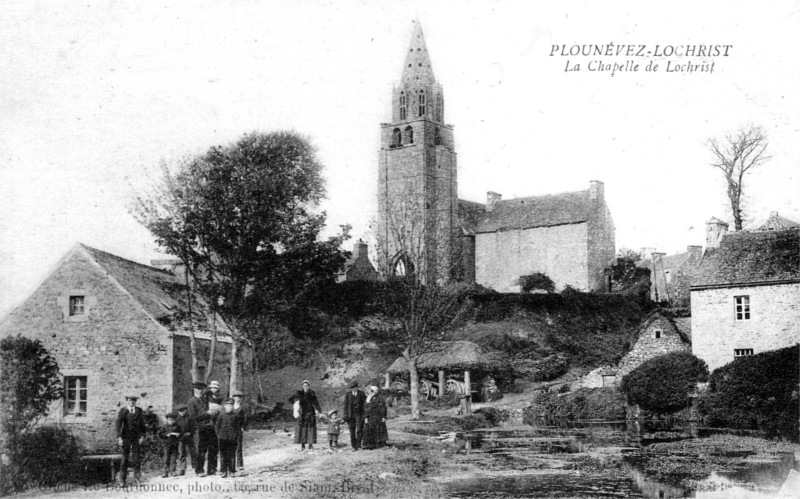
396, 137
439, 108
421, 103
402, 266
402, 106
437, 137
409, 135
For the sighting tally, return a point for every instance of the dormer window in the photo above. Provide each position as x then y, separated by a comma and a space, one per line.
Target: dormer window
76, 305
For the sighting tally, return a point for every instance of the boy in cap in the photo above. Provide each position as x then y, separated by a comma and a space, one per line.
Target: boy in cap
171, 434
228, 427
131, 430
186, 441
334, 424
240, 409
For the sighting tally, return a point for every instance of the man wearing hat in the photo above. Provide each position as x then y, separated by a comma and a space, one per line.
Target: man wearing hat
186, 442
206, 438
131, 430
354, 414
240, 410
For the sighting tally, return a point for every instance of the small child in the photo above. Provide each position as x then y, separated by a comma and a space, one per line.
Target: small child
228, 426
333, 429
171, 434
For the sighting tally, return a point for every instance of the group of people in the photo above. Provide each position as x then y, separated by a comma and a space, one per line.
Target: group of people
207, 429
364, 413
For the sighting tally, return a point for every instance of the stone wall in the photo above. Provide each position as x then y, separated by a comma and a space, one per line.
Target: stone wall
774, 322
648, 346
117, 347
560, 252
600, 238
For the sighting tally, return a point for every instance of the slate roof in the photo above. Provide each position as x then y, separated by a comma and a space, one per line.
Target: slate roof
537, 211
470, 214
758, 257
777, 222
160, 293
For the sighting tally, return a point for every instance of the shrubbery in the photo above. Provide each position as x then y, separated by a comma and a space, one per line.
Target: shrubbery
756, 392
585, 403
665, 383
46, 456
536, 282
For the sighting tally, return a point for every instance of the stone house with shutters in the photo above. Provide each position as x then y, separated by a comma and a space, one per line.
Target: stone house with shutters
746, 295
116, 327
658, 334
425, 229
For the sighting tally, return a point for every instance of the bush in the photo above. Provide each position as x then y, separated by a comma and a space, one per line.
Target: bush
756, 392
46, 456
536, 281
665, 383
585, 403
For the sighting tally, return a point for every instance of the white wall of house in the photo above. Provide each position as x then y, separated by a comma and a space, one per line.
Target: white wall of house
717, 333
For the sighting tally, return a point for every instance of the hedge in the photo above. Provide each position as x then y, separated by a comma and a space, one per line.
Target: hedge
664, 384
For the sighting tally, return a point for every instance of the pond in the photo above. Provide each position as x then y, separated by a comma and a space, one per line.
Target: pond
603, 460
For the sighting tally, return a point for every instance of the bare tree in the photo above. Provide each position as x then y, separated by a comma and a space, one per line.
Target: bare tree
736, 155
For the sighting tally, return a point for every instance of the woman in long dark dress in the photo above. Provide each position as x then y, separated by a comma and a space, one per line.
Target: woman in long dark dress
305, 426
375, 433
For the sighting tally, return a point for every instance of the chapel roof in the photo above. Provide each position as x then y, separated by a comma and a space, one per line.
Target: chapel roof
746, 257
537, 211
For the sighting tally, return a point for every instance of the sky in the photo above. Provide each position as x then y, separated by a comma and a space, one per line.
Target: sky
95, 95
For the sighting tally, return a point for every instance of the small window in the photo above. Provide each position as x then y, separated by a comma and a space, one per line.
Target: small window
742, 352
657, 334
741, 308
409, 135
396, 137
76, 395
76, 305
437, 137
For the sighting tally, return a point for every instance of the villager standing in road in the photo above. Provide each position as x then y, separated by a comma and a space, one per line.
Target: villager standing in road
305, 427
206, 438
375, 433
228, 428
240, 409
131, 430
186, 442
354, 414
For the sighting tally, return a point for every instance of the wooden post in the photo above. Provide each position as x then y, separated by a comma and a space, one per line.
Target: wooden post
467, 394
388, 380
441, 383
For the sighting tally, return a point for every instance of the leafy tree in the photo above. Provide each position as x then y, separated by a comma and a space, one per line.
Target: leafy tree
663, 384
244, 220
629, 278
536, 281
736, 155
29, 384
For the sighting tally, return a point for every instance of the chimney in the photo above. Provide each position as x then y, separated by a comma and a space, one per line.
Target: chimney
695, 252
773, 214
491, 199
596, 190
715, 230
360, 249
646, 252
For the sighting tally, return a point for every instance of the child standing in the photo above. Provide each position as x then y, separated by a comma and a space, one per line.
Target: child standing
171, 434
334, 424
228, 426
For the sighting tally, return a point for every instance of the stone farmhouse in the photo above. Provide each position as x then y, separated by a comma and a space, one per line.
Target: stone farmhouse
117, 327
425, 229
658, 334
746, 296
358, 267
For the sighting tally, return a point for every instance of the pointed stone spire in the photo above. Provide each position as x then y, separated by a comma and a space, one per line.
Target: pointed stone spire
417, 69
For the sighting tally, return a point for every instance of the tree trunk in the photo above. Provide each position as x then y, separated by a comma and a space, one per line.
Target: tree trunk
192, 339
212, 351
467, 394
414, 375
234, 382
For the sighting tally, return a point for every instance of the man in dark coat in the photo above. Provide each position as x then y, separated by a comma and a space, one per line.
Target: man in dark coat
131, 430
186, 442
206, 438
354, 414
240, 409
305, 427
229, 427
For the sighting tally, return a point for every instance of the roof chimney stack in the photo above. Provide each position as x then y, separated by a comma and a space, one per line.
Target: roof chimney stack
715, 230
492, 198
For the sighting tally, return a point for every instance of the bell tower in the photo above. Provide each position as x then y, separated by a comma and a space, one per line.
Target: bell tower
417, 188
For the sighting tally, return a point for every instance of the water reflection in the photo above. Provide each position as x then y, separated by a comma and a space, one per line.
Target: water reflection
753, 478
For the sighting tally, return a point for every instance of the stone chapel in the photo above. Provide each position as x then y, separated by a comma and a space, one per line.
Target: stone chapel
425, 230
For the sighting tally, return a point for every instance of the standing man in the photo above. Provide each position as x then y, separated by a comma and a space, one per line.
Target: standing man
186, 441
240, 410
206, 438
131, 430
354, 414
